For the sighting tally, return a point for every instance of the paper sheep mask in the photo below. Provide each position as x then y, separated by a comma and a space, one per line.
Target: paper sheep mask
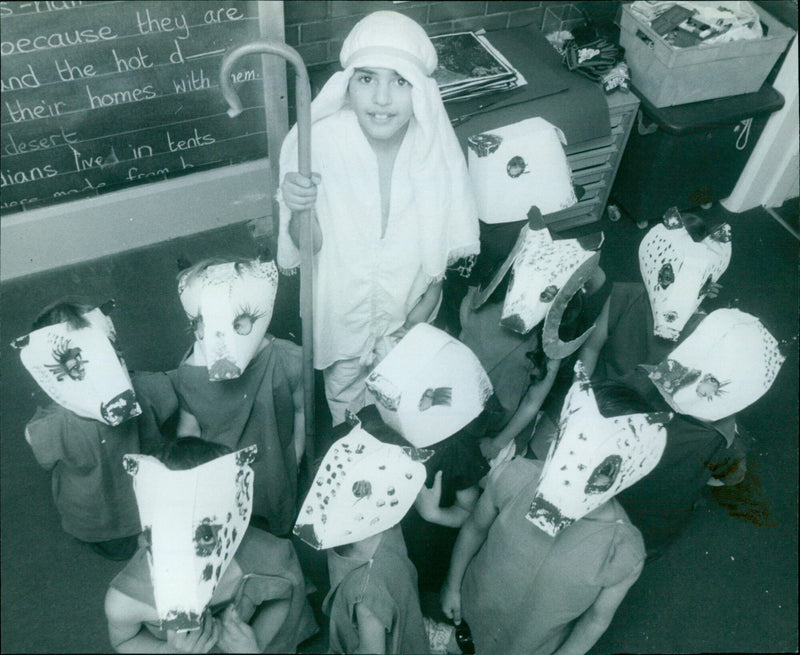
519, 165
193, 520
80, 369
230, 308
363, 487
429, 386
546, 274
726, 364
592, 458
678, 271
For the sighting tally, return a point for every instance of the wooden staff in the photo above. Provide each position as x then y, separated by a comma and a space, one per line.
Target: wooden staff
306, 218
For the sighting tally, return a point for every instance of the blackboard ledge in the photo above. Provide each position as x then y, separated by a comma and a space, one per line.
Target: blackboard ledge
42, 239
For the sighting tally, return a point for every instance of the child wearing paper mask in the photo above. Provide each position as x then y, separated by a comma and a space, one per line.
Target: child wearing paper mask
548, 553
523, 272
97, 415
255, 602
362, 489
239, 385
640, 323
392, 198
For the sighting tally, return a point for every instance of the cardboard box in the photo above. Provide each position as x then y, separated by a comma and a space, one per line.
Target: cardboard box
668, 76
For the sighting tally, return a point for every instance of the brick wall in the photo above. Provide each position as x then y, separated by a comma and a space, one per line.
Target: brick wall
316, 28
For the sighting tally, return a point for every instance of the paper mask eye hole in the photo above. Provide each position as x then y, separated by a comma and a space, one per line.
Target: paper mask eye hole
710, 387
69, 362
604, 475
549, 293
516, 166
362, 489
666, 276
205, 539
244, 321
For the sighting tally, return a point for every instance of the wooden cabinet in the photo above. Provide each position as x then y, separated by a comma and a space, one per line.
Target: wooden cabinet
594, 165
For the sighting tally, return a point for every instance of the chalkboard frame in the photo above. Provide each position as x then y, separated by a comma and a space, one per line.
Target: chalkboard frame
57, 235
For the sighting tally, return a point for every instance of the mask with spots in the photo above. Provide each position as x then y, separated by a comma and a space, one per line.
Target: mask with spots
726, 364
519, 165
81, 369
592, 458
545, 274
193, 520
362, 487
230, 307
678, 271
429, 386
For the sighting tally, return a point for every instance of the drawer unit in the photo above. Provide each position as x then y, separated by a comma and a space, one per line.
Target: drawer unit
594, 165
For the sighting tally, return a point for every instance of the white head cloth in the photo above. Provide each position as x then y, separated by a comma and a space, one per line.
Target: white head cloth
429, 386
592, 458
726, 364
231, 306
194, 521
363, 487
517, 166
678, 271
80, 369
445, 204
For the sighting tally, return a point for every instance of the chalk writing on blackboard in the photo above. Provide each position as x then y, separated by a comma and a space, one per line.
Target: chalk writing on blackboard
101, 96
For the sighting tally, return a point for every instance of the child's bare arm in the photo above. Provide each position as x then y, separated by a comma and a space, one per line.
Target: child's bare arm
590, 350
593, 622
529, 406
371, 633
127, 633
299, 435
427, 504
422, 311
188, 425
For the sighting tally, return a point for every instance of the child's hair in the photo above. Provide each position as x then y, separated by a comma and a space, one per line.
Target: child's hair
66, 310
185, 453
617, 399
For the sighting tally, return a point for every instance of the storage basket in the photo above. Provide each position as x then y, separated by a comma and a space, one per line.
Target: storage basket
668, 76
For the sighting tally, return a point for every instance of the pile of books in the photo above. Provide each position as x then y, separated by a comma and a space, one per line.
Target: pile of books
470, 66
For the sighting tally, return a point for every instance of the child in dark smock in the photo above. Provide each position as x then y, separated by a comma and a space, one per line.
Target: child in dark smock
239, 385
201, 577
430, 393
362, 490
97, 415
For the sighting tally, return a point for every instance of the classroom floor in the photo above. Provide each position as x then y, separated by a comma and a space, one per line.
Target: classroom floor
728, 584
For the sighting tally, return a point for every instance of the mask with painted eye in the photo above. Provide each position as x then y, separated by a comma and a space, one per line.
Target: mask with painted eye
80, 368
362, 487
230, 307
726, 364
678, 271
593, 458
194, 536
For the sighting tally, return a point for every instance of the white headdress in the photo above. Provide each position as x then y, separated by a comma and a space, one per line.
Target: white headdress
726, 364
592, 458
429, 386
678, 271
230, 306
363, 487
194, 520
80, 369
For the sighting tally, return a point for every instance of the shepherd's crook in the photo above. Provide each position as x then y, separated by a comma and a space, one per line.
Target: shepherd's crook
303, 98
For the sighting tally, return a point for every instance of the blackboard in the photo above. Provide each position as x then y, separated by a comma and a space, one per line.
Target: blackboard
101, 96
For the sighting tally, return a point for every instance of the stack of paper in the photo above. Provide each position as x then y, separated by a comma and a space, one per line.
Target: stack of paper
470, 66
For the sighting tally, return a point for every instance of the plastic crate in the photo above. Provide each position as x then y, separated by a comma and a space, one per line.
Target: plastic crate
669, 76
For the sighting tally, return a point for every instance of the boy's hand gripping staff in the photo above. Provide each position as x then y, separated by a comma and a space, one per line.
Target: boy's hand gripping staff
306, 218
